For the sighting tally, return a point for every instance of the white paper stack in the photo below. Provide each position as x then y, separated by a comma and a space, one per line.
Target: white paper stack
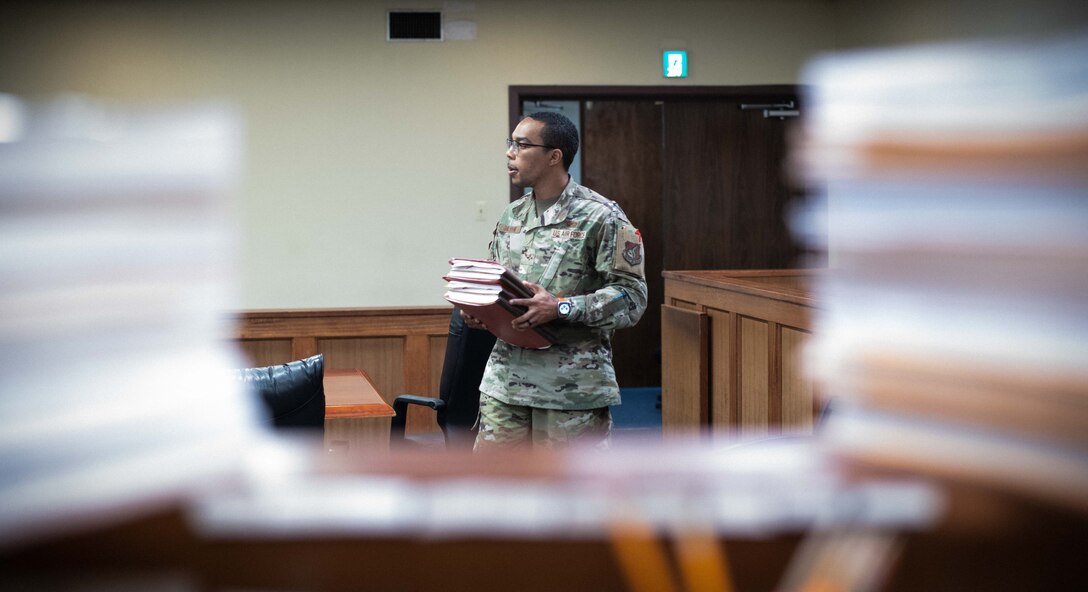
953, 336
116, 267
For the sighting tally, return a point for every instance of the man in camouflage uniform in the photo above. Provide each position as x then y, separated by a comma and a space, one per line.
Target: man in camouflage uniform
583, 259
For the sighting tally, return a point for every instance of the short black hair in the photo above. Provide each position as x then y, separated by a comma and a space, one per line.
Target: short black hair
559, 133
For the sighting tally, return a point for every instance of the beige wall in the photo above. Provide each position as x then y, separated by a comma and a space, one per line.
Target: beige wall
862, 23
366, 158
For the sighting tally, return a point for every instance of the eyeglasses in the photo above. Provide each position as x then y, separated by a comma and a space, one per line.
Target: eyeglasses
519, 146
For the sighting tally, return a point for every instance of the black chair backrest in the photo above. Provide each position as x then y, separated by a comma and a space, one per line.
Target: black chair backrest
293, 394
467, 351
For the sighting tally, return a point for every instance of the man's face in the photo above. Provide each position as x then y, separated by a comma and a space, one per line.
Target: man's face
527, 165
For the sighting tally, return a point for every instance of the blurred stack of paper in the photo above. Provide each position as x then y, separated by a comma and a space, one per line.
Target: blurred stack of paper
116, 262
775, 486
953, 336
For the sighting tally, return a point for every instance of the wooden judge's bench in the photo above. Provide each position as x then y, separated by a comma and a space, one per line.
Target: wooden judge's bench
731, 342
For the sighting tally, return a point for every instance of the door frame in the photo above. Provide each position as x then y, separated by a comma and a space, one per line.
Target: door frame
756, 93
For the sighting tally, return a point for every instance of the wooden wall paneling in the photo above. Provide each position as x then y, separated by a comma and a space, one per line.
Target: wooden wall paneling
417, 361
798, 398
437, 351
265, 352
381, 357
423, 419
303, 347
684, 402
417, 381
723, 369
401, 349
754, 376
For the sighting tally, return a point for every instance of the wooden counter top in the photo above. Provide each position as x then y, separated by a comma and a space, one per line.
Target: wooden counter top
351, 393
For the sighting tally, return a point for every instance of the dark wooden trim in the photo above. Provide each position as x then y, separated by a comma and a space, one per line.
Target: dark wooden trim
774, 373
733, 378
276, 313
649, 91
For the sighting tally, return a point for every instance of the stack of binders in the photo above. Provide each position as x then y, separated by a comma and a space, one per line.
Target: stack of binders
484, 289
952, 336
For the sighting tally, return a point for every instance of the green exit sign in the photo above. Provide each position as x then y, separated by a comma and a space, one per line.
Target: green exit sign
674, 64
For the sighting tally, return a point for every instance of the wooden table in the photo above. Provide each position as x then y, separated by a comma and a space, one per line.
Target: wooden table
357, 418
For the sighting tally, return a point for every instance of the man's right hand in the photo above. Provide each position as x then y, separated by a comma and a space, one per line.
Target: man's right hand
472, 322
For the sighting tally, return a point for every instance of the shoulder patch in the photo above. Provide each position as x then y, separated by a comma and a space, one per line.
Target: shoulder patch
629, 256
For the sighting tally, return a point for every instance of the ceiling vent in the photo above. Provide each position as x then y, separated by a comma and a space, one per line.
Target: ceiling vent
414, 25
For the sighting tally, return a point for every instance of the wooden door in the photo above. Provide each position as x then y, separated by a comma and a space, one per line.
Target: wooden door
621, 159
725, 192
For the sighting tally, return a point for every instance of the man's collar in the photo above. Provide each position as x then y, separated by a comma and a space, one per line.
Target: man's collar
566, 188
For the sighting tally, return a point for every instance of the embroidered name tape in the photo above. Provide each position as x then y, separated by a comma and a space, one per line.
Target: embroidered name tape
575, 234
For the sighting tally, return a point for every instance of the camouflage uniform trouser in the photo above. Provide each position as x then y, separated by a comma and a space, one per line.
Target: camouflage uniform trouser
518, 426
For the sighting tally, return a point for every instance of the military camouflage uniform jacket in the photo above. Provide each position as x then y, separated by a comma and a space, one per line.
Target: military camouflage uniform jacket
582, 248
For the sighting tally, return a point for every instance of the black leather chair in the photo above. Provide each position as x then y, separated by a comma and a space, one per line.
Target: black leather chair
293, 394
458, 401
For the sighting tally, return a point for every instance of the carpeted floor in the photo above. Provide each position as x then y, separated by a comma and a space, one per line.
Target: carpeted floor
639, 413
